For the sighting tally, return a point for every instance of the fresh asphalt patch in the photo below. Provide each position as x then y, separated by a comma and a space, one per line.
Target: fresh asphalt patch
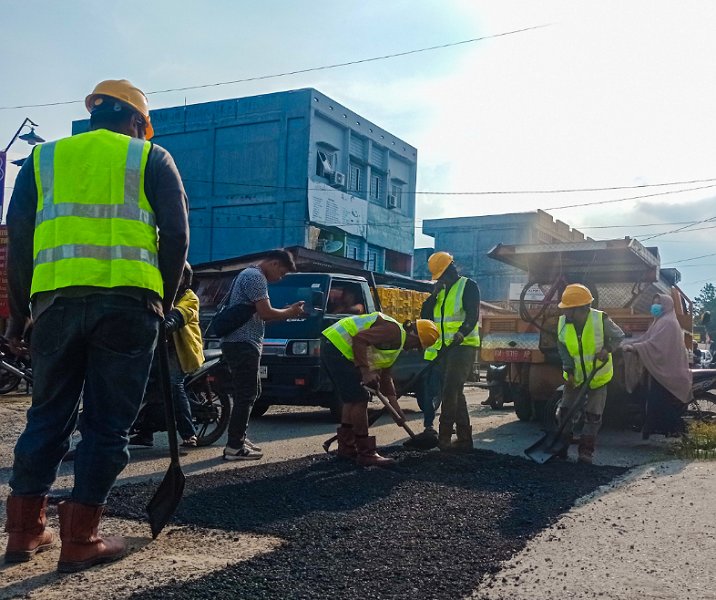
431, 527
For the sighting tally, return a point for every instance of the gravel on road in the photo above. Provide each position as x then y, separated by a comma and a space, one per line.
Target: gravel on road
432, 527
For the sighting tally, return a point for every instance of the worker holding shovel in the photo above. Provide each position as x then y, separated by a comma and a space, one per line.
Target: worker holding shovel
360, 353
586, 337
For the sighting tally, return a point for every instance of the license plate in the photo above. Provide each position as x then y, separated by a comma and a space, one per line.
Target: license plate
512, 355
263, 372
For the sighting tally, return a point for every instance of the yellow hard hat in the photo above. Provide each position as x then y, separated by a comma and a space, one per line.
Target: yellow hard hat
574, 295
438, 262
124, 91
427, 332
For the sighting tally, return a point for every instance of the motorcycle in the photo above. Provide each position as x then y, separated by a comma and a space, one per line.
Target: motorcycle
208, 389
13, 369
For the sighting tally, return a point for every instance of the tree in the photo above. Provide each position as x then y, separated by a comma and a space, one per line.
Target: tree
706, 301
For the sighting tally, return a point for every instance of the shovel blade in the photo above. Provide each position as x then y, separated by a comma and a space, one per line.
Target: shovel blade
164, 503
547, 447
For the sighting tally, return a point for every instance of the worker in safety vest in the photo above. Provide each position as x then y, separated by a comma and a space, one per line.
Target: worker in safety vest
586, 337
360, 353
84, 262
456, 312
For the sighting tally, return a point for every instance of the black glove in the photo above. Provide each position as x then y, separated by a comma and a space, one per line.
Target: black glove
173, 321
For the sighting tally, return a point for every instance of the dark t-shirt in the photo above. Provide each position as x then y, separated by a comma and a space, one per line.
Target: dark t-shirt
165, 192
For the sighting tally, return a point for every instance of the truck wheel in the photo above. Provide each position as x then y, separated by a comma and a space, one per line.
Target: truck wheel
549, 414
259, 409
496, 397
523, 407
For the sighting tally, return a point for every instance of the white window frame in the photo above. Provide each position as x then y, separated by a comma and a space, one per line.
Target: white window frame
354, 178
376, 181
397, 191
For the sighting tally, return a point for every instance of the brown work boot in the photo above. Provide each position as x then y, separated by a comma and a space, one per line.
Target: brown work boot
586, 448
444, 436
81, 546
346, 442
26, 526
464, 439
367, 454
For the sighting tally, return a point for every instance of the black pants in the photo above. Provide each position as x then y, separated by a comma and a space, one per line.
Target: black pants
663, 410
243, 360
456, 369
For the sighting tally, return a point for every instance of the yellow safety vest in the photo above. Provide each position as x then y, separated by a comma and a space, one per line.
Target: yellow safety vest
453, 319
94, 225
341, 335
585, 350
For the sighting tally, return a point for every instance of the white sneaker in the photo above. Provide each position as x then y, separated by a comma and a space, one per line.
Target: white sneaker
243, 453
251, 446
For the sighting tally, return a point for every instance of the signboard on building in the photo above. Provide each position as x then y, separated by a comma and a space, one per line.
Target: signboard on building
332, 207
4, 306
534, 294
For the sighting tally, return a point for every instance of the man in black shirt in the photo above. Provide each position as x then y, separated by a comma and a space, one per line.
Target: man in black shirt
456, 311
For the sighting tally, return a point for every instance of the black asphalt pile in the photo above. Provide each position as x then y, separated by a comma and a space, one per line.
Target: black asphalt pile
430, 528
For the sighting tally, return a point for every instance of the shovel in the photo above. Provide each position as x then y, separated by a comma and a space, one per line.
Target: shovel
554, 442
169, 493
422, 443
417, 441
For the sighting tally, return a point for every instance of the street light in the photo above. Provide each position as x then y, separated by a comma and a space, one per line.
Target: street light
31, 137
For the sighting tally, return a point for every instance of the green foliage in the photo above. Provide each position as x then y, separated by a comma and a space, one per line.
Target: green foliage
706, 301
698, 442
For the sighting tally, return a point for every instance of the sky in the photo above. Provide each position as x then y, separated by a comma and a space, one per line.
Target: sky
602, 94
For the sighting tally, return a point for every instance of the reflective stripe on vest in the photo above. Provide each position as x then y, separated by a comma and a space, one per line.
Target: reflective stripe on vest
453, 319
94, 225
584, 351
341, 335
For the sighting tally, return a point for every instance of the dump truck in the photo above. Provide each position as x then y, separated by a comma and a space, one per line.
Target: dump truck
521, 347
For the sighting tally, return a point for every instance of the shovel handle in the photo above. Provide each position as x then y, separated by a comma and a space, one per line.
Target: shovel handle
389, 407
166, 387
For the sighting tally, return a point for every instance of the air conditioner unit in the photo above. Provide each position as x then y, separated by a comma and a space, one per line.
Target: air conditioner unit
338, 179
392, 201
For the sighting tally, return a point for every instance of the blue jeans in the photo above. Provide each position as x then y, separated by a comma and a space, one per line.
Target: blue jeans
430, 397
98, 349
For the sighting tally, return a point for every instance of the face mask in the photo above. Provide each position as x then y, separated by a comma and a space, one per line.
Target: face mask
656, 310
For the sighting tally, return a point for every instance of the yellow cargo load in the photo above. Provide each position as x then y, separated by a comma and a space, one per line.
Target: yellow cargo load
401, 304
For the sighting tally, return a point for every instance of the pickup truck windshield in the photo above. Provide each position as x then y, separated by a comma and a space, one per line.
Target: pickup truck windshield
311, 288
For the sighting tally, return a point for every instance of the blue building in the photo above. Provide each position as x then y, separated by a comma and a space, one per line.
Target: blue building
469, 239
291, 168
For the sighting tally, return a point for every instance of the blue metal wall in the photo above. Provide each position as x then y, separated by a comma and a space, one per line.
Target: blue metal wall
469, 239
247, 164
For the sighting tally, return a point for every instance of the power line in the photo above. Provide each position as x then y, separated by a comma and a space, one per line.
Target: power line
307, 70
703, 187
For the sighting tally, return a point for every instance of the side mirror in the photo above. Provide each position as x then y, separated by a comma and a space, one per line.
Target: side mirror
317, 300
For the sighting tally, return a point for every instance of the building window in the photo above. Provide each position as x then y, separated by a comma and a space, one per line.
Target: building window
326, 162
397, 192
355, 179
375, 187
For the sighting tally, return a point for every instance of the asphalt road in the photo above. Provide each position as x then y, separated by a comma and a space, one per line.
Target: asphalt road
299, 524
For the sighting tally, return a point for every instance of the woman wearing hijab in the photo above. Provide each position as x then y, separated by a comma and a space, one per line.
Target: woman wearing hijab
662, 353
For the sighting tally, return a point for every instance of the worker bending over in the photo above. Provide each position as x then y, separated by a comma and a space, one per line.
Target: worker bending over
360, 353
456, 311
586, 337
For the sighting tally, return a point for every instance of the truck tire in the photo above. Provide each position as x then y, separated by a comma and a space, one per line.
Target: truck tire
549, 414
523, 407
